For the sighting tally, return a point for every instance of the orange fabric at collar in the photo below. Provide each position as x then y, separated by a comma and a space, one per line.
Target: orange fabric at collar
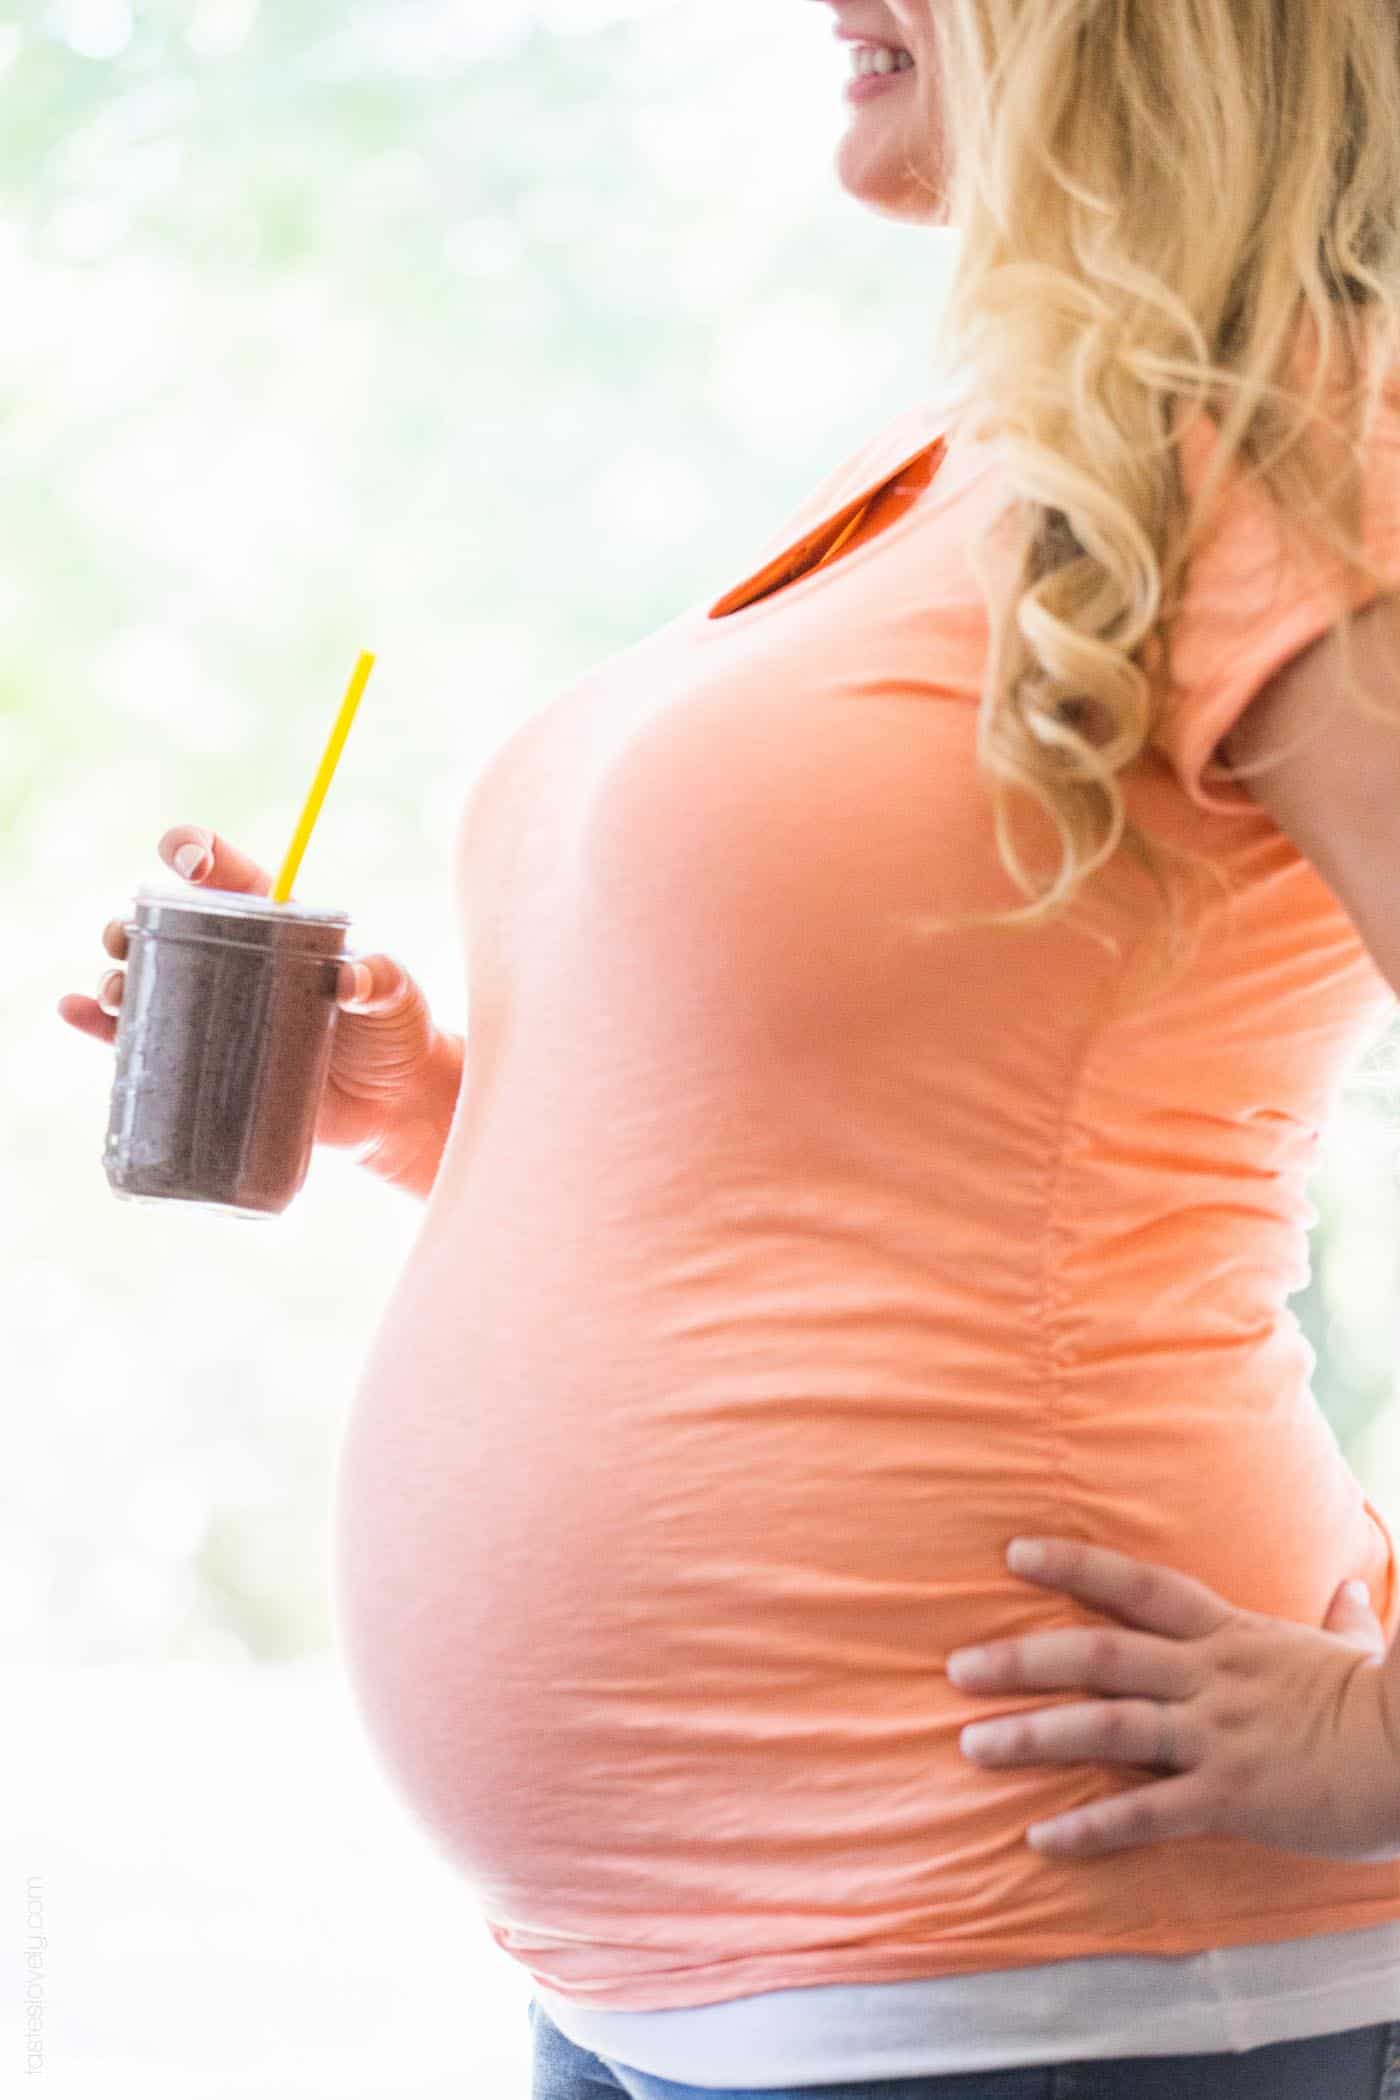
883, 508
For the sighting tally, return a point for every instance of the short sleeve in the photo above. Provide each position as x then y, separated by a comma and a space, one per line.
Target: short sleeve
1256, 599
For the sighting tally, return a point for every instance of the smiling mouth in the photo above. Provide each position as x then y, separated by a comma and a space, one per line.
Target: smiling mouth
879, 61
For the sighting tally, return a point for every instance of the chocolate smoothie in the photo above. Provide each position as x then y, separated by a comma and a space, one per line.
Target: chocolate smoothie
223, 1042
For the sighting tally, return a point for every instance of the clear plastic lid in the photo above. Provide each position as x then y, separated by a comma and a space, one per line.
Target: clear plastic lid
236, 904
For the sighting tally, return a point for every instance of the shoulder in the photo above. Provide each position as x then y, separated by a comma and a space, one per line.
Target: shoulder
1325, 763
1329, 773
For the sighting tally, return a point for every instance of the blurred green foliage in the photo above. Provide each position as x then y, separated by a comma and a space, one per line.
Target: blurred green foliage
490, 345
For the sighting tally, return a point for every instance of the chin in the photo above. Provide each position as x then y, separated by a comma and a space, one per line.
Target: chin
878, 175
890, 191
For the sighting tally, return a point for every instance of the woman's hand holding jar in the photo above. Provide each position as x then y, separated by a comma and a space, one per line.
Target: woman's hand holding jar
394, 1076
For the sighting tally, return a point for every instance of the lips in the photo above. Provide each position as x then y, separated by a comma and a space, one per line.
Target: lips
876, 43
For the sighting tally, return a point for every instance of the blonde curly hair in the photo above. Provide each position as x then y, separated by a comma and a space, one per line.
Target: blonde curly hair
1154, 198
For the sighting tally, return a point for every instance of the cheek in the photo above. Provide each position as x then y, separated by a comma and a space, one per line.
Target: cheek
916, 29
913, 20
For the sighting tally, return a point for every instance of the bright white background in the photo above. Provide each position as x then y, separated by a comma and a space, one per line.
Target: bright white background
488, 339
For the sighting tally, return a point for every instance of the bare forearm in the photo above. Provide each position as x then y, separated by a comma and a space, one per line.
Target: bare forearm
409, 1154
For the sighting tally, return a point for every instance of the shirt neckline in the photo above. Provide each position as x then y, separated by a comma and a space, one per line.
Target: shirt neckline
832, 513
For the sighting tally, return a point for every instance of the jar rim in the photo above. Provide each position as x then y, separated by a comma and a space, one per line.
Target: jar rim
237, 904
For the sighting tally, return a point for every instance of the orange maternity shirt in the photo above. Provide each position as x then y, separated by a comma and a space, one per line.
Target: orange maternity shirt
780, 1268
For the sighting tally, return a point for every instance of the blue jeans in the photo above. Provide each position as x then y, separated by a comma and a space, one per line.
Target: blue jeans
1361, 2065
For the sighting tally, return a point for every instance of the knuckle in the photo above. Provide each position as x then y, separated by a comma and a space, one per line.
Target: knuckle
1119, 1729
1088, 1831
1020, 1736
1011, 1665
1231, 1711
1137, 1818
1105, 1654
998, 1744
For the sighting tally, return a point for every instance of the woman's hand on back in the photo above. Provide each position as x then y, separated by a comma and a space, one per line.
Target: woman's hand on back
384, 1033
1282, 1733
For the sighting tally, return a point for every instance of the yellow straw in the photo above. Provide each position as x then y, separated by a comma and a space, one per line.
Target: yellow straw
355, 693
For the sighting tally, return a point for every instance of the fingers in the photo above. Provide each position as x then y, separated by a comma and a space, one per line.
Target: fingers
1137, 1592
215, 865
96, 1017
87, 1017
219, 866
1080, 1659
371, 984
1115, 1732
1148, 1815
1351, 1618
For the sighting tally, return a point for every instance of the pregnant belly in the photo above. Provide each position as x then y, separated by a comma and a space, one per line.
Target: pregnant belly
572, 1596
593, 1611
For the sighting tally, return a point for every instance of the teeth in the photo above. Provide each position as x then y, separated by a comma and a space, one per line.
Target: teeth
878, 58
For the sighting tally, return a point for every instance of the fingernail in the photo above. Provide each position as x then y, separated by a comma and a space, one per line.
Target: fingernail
191, 860
1359, 1594
1025, 1556
967, 1664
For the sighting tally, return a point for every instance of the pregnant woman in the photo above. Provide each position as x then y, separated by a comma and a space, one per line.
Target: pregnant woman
905, 996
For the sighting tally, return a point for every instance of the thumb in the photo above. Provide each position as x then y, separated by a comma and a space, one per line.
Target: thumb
1351, 1618
376, 984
